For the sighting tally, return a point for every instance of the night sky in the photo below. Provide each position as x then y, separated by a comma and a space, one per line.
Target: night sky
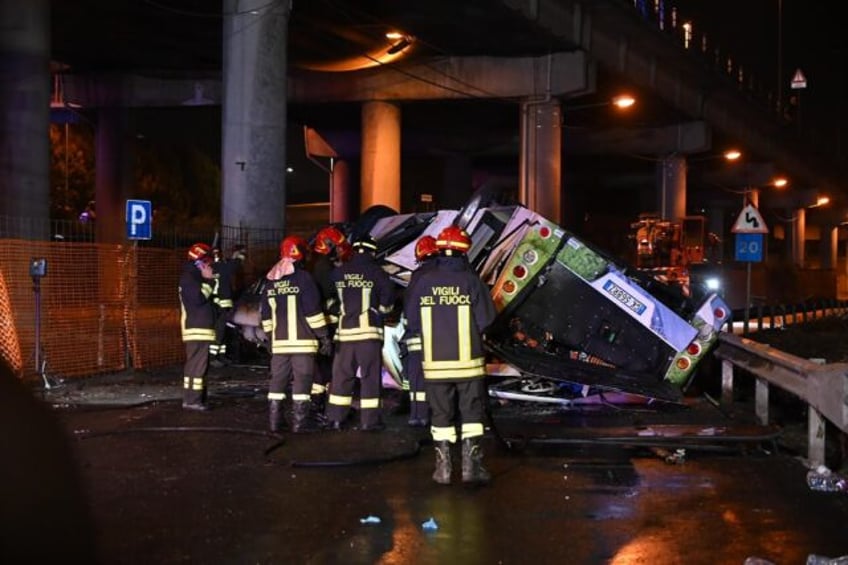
813, 39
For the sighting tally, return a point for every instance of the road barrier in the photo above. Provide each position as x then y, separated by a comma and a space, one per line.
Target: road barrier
823, 387
765, 316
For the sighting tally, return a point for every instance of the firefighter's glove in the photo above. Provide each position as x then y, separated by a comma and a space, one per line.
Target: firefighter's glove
325, 346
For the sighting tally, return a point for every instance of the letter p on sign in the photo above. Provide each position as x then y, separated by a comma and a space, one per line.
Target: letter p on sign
139, 219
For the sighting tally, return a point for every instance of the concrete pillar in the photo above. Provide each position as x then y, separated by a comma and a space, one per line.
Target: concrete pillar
671, 187
25, 107
114, 178
829, 246
340, 192
798, 229
253, 153
845, 262
380, 177
540, 169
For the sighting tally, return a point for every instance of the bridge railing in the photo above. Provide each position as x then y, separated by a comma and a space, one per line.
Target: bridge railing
823, 387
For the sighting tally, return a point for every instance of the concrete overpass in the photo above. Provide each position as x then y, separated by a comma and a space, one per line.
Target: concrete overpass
533, 60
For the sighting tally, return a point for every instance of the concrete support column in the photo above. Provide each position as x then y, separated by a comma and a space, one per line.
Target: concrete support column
845, 262
829, 246
25, 121
340, 191
797, 236
381, 140
253, 155
671, 187
114, 179
540, 171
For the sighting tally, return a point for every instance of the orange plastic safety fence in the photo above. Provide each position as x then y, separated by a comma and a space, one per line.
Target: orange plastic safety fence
10, 346
152, 314
99, 308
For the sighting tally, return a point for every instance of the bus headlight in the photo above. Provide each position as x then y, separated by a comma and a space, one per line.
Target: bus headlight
712, 283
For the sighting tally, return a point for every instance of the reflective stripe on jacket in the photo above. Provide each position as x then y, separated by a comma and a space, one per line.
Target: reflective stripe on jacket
366, 294
450, 307
197, 317
292, 315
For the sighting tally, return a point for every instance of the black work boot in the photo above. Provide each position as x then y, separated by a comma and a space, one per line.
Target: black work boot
275, 415
300, 415
193, 400
442, 474
472, 462
318, 406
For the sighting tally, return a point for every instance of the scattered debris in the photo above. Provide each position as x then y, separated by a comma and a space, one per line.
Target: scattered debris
813, 559
369, 520
430, 525
823, 479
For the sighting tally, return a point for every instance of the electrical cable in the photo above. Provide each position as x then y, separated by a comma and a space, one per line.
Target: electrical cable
161, 429
208, 15
409, 454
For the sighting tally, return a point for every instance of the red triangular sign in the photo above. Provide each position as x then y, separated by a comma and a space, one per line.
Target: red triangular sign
799, 80
749, 221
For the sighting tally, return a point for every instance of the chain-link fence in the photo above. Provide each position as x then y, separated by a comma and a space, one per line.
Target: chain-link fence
102, 308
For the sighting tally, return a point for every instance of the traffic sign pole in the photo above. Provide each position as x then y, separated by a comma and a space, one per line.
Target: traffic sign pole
749, 229
747, 315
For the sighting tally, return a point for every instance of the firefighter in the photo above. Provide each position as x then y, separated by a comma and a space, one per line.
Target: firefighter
329, 250
295, 322
197, 318
224, 271
450, 307
419, 411
365, 294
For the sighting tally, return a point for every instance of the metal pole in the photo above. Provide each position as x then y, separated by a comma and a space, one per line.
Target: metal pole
779, 92
39, 362
747, 298
37, 289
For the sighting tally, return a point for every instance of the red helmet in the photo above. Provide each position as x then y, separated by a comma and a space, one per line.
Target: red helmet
293, 247
199, 251
327, 239
425, 247
453, 238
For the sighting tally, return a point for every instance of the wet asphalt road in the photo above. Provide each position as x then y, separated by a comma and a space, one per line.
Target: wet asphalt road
170, 486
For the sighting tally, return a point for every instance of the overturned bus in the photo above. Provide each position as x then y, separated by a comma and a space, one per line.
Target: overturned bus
570, 318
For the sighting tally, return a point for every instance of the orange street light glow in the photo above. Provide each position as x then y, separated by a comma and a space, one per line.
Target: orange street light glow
623, 101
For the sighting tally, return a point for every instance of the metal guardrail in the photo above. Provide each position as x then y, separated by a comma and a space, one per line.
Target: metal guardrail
823, 387
763, 317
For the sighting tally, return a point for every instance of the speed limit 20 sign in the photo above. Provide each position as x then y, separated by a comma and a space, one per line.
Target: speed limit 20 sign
749, 247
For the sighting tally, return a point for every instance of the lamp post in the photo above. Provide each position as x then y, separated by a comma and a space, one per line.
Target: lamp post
779, 92
620, 102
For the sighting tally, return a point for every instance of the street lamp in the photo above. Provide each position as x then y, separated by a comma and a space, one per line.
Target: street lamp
620, 102
820, 201
623, 101
732, 155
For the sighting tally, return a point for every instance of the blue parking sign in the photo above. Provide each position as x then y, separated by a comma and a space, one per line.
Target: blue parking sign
749, 247
139, 219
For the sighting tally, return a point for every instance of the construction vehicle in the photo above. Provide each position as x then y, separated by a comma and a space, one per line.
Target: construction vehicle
681, 252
